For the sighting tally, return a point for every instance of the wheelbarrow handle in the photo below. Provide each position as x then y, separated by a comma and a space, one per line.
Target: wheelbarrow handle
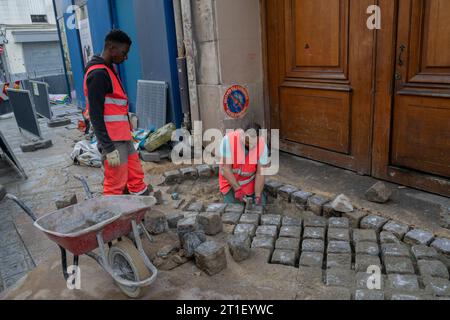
21, 204
86, 188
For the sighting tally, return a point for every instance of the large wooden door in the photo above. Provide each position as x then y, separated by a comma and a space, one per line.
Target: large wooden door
320, 71
412, 136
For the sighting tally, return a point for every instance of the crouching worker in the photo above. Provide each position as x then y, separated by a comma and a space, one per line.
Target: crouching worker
107, 110
243, 157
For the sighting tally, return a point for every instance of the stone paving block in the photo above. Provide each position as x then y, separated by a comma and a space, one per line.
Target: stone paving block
286, 191
378, 193
239, 247
373, 222
395, 250
211, 258
367, 248
340, 247
190, 241
396, 265
354, 218
313, 246
285, 257
363, 262
245, 229
311, 259
195, 207
272, 186
254, 209
437, 286
173, 218
210, 222
66, 201
290, 232
388, 237
423, 252
338, 223
314, 233
204, 171
433, 268
397, 228
342, 204
402, 296
340, 278
235, 207
315, 204
369, 295
315, 222
269, 231
271, 220
338, 234
442, 245
250, 218
189, 173
231, 218
288, 244
360, 235
187, 225
365, 281
216, 207
402, 282
156, 222
35, 146
263, 242
172, 177
341, 261
300, 198
418, 236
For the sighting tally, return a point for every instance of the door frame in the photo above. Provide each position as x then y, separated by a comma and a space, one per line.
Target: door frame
382, 104
386, 44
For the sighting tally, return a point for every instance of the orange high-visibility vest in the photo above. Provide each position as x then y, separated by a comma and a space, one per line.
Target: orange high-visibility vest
244, 167
116, 107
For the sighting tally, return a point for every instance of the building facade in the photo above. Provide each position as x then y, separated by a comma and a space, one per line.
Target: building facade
29, 41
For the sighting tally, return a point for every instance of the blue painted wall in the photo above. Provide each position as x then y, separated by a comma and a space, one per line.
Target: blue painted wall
158, 51
76, 56
130, 70
100, 22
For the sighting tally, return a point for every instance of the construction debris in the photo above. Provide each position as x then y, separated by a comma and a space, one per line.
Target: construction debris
379, 193
342, 204
66, 202
36, 145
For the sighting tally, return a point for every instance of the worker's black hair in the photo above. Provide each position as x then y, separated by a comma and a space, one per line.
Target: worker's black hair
118, 36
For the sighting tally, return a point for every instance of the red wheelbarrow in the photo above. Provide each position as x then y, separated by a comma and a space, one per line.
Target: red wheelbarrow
85, 227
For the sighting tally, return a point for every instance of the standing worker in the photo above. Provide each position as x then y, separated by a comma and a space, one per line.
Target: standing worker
108, 111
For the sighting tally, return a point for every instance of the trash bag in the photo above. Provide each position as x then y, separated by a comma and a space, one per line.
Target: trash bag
86, 153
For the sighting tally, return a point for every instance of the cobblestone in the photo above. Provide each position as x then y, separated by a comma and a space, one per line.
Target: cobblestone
245, 229
418, 236
300, 198
341, 261
388, 237
313, 246
363, 262
285, 257
211, 223
340, 278
211, 258
314, 233
315, 222
288, 244
315, 204
437, 286
290, 232
403, 282
442, 246
367, 248
433, 268
338, 234
250, 218
173, 218
395, 250
398, 265
363, 279
272, 186
338, 223
216, 207
239, 247
373, 222
271, 220
311, 259
286, 191
422, 252
231, 218
369, 295
289, 221
397, 228
340, 247
263, 242
269, 231
235, 207
190, 173
360, 235
195, 207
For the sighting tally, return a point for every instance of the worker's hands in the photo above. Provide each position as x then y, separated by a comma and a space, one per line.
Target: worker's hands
239, 194
258, 201
113, 159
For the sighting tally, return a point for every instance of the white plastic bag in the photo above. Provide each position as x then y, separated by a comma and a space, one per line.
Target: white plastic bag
86, 153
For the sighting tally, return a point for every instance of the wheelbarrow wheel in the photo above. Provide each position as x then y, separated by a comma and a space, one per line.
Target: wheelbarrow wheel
126, 261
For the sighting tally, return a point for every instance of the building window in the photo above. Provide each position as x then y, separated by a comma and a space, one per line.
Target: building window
39, 18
